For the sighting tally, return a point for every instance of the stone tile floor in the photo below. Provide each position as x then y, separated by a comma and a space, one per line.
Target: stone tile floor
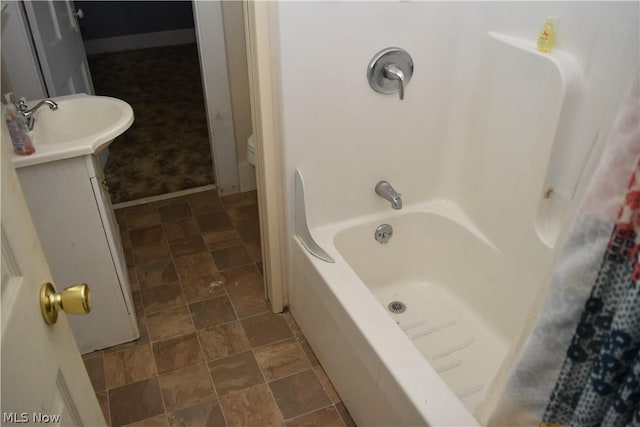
210, 353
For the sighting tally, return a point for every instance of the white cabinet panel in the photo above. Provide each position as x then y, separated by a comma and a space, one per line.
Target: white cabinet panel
74, 219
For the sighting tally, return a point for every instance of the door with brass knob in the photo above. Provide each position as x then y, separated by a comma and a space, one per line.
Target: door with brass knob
43, 375
75, 299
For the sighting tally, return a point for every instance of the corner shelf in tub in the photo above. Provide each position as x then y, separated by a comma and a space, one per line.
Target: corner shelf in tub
301, 226
571, 136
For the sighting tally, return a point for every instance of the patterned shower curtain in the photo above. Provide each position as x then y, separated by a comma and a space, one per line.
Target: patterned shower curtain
580, 366
599, 383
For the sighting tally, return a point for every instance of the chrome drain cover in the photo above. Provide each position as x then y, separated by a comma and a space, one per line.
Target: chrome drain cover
397, 307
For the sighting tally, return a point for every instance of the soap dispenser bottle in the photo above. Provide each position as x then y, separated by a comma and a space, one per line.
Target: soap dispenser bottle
18, 131
545, 40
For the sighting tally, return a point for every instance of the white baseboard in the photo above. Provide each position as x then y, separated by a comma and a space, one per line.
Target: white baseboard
247, 174
140, 41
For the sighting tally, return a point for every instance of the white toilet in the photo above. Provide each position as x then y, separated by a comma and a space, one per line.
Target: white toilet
251, 150
247, 170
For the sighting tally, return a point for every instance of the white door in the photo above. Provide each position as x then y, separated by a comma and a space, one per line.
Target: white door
43, 376
58, 42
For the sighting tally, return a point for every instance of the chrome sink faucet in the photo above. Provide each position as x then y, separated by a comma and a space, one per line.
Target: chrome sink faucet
28, 113
386, 191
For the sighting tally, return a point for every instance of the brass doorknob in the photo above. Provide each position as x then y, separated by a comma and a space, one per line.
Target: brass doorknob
75, 299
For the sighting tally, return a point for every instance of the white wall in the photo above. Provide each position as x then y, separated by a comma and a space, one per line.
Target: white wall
345, 137
341, 134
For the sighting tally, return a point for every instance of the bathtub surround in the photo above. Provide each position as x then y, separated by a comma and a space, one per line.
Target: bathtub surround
211, 353
167, 149
487, 126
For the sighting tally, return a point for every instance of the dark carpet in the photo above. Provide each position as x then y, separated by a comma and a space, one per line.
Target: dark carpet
167, 147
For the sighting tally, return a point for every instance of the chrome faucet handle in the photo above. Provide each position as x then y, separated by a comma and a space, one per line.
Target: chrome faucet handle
28, 113
22, 104
389, 66
393, 72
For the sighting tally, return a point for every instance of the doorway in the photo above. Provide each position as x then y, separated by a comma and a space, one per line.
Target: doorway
223, 52
145, 53
219, 29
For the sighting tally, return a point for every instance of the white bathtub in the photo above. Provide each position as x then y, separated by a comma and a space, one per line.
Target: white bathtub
434, 363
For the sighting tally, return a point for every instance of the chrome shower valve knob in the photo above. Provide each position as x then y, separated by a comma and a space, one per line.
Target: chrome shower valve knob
390, 71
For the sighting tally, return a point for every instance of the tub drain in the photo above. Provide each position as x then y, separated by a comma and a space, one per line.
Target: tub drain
397, 307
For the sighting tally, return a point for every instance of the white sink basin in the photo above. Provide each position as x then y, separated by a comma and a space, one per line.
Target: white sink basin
81, 125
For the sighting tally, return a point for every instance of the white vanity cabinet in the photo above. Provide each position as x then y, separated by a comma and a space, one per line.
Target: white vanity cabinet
74, 218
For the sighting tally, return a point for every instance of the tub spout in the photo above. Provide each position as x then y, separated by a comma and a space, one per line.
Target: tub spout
386, 191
